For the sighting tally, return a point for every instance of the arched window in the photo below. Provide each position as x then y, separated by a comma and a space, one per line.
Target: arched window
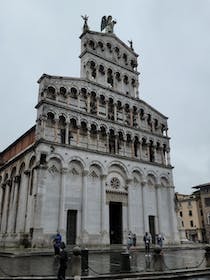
50, 118
93, 69
101, 46
63, 91
93, 130
125, 79
84, 128
62, 126
136, 146
109, 46
117, 75
125, 58
74, 92
101, 69
51, 93
92, 44
110, 77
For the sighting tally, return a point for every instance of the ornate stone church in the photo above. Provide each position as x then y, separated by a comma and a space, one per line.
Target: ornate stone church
96, 164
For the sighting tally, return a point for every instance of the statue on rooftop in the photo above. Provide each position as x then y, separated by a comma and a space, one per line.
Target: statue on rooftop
131, 44
108, 24
85, 26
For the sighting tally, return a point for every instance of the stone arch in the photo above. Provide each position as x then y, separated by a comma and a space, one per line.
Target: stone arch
98, 165
13, 172
51, 117
54, 163
164, 181
119, 166
32, 161
139, 171
109, 46
21, 168
101, 45
137, 177
95, 171
51, 92
117, 177
151, 178
56, 157
76, 164
92, 43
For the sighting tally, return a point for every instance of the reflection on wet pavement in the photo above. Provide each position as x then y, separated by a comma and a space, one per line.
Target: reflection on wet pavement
103, 263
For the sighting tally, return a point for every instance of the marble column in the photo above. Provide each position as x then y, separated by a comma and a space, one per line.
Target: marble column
78, 100
3, 207
78, 135
61, 217
131, 117
104, 230
140, 150
97, 106
56, 130
39, 203
130, 204
107, 108
172, 214
107, 142
67, 133
84, 207
168, 159
115, 112
158, 203
144, 209
88, 103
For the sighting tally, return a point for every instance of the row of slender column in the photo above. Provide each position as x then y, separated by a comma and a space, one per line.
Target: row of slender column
112, 143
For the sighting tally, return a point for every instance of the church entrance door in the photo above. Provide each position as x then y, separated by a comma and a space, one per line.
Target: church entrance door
71, 231
115, 222
152, 227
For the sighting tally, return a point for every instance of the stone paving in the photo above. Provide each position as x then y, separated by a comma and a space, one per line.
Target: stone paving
106, 264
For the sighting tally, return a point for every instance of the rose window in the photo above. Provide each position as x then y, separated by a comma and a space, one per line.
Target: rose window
115, 183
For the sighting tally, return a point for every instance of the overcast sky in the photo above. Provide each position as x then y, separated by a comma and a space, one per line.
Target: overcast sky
172, 40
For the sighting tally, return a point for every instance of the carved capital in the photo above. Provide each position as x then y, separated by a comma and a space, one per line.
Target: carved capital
143, 183
85, 172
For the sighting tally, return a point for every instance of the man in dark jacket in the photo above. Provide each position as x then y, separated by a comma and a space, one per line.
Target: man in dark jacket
63, 262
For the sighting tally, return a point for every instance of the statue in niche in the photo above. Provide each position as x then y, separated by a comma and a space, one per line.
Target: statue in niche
85, 26
108, 24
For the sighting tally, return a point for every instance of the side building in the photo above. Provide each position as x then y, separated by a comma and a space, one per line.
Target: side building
204, 193
97, 163
190, 217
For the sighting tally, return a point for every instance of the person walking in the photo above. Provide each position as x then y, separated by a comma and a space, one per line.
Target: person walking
129, 241
134, 240
160, 239
147, 240
57, 243
63, 262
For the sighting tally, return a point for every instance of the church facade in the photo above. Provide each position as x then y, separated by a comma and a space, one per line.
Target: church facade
97, 163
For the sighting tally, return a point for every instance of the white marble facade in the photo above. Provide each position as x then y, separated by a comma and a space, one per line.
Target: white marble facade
100, 162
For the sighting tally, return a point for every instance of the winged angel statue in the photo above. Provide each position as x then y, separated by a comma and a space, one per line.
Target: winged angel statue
108, 24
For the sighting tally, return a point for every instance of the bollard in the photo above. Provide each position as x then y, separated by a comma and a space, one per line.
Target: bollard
125, 262
76, 262
84, 260
207, 255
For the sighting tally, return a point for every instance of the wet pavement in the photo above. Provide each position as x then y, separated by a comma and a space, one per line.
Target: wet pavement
102, 263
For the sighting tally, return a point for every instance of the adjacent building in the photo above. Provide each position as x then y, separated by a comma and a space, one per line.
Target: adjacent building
96, 165
204, 193
190, 217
